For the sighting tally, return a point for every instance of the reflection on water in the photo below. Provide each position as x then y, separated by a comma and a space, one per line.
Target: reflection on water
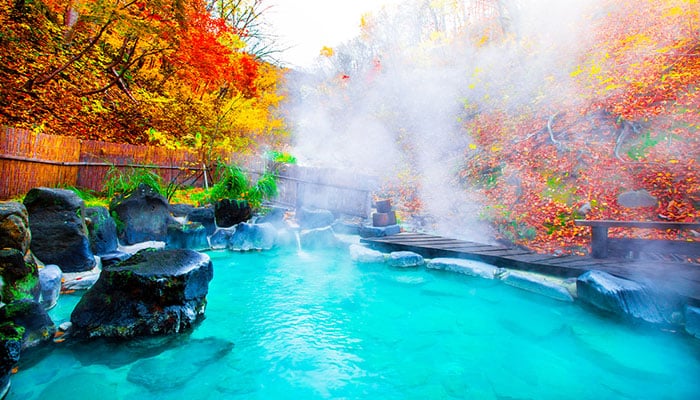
283, 325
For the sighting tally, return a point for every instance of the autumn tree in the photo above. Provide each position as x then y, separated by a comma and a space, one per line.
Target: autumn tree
133, 71
562, 109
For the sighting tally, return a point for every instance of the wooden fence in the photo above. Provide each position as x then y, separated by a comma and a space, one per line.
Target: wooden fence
29, 160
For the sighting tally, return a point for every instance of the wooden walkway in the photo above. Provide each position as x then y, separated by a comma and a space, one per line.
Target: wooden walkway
678, 277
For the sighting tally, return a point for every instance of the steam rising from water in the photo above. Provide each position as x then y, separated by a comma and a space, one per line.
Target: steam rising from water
391, 101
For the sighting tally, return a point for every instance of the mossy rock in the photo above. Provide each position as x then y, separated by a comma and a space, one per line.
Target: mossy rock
20, 276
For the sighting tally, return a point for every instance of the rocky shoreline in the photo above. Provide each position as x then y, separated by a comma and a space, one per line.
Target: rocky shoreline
144, 275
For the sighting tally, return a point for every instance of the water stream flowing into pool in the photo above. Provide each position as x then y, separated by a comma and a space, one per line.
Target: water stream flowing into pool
314, 325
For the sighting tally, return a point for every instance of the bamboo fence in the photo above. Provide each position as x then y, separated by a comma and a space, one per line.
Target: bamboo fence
29, 160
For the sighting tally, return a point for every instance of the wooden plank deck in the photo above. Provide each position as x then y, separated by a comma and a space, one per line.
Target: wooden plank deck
678, 277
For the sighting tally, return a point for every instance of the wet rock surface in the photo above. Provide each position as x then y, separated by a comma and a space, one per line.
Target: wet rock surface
20, 276
628, 299
205, 216
10, 348
467, 267
692, 321
229, 212
141, 216
405, 259
102, 230
252, 237
153, 292
363, 254
190, 235
59, 233
32, 317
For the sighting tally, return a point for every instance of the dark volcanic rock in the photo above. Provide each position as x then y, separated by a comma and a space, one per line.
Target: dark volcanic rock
231, 212
141, 216
59, 233
30, 315
10, 346
113, 258
102, 230
153, 292
205, 216
20, 276
180, 210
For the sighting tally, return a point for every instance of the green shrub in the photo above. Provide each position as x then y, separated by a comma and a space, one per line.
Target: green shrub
264, 188
125, 182
90, 198
234, 184
281, 157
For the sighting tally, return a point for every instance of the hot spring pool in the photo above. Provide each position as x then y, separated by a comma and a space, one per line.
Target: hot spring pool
288, 325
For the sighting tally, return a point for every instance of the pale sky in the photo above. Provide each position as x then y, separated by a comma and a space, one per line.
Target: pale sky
307, 25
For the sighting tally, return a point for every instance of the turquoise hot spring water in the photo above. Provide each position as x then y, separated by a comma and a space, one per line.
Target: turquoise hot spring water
285, 324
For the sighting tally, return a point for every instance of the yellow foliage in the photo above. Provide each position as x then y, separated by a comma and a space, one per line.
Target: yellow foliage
326, 51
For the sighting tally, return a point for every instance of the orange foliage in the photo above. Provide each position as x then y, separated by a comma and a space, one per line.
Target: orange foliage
120, 71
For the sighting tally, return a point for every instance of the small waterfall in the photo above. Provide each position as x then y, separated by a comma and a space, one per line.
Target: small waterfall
298, 239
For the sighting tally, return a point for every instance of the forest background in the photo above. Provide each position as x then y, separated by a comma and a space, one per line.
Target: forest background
619, 111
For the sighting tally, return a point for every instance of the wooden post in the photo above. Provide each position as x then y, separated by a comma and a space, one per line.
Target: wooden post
599, 241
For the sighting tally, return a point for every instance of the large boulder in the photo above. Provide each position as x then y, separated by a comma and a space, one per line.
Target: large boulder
628, 299
141, 216
14, 227
102, 230
253, 237
229, 212
59, 233
10, 348
38, 328
20, 276
152, 293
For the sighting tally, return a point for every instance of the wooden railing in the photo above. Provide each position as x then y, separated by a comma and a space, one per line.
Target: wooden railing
602, 245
